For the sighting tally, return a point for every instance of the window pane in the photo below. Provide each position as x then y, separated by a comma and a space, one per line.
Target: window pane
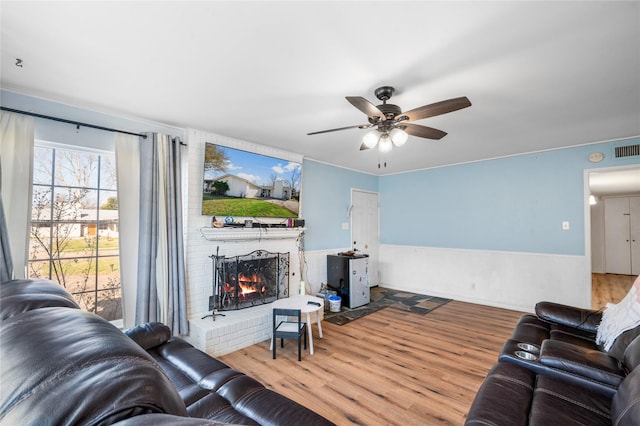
109, 202
39, 269
42, 165
39, 245
75, 204
41, 203
108, 178
110, 304
76, 168
109, 272
108, 246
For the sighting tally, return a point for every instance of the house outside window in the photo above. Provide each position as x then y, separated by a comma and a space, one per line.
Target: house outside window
74, 225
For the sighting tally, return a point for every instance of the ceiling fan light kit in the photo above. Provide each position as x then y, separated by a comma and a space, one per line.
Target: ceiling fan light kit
370, 139
392, 126
398, 136
385, 144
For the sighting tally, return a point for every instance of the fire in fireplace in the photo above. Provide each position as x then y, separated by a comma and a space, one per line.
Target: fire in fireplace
248, 280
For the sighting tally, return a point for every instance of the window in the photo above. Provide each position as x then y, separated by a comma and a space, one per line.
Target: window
74, 225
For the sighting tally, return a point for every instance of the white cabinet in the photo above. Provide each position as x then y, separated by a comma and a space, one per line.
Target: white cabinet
622, 235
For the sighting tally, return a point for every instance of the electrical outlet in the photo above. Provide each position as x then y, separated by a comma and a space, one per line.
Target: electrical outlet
473, 286
565, 225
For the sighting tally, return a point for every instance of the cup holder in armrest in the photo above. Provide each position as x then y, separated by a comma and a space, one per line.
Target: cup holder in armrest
528, 347
526, 355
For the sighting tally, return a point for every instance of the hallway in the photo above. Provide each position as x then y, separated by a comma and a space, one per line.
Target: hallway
609, 288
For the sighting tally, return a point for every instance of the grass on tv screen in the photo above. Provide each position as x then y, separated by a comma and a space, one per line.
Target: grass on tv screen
240, 183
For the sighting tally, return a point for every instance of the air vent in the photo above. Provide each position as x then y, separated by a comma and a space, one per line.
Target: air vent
627, 151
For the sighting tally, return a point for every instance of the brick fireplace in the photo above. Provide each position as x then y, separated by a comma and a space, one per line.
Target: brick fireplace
251, 324
238, 328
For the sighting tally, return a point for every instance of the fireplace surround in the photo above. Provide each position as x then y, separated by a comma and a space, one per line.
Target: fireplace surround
248, 280
237, 328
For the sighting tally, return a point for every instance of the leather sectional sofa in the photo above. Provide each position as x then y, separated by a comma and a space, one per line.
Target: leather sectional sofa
552, 372
61, 365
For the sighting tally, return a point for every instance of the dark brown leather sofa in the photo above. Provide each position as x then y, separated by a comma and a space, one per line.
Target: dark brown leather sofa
61, 365
552, 372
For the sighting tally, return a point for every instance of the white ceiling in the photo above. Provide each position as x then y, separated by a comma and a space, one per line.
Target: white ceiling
540, 75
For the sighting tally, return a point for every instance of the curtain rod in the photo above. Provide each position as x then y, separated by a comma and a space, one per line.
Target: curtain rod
77, 123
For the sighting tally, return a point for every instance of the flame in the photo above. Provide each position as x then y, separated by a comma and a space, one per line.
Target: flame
247, 283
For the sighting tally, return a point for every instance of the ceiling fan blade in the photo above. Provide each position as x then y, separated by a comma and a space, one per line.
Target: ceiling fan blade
437, 108
367, 107
359, 126
364, 147
423, 131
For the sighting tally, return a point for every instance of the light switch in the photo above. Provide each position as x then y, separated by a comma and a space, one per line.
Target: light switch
345, 225
565, 225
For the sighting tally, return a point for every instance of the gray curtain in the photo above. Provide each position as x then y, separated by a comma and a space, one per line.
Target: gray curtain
6, 266
161, 294
177, 300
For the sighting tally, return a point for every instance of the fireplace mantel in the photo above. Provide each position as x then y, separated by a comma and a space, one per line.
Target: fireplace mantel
238, 234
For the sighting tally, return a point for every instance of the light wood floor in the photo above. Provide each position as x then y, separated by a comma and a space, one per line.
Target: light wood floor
609, 288
390, 367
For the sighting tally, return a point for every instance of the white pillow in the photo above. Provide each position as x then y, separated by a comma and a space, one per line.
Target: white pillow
618, 318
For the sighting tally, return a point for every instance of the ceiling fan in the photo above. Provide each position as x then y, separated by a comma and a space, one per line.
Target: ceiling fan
392, 126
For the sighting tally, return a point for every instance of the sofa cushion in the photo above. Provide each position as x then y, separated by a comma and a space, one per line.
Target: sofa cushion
67, 366
632, 355
215, 406
212, 390
166, 420
252, 399
557, 402
18, 296
622, 342
590, 364
625, 407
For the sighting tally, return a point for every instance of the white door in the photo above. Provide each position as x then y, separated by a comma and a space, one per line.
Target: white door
365, 229
634, 226
617, 235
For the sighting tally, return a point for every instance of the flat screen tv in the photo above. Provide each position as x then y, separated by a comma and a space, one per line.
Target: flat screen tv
241, 184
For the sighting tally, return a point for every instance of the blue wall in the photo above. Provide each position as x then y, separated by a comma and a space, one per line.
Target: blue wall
326, 197
509, 204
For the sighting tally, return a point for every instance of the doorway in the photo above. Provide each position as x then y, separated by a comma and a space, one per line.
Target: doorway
608, 284
365, 233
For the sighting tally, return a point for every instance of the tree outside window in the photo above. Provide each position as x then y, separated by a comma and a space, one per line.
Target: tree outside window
74, 226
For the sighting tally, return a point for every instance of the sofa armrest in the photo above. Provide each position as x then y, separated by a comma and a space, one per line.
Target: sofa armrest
591, 364
504, 398
149, 335
583, 319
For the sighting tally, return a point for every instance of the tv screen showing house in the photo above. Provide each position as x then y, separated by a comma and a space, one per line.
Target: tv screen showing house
242, 184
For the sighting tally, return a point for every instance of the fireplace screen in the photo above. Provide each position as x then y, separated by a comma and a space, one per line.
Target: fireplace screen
248, 280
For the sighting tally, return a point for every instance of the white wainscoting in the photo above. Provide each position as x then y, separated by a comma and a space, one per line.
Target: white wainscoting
509, 280
315, 268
